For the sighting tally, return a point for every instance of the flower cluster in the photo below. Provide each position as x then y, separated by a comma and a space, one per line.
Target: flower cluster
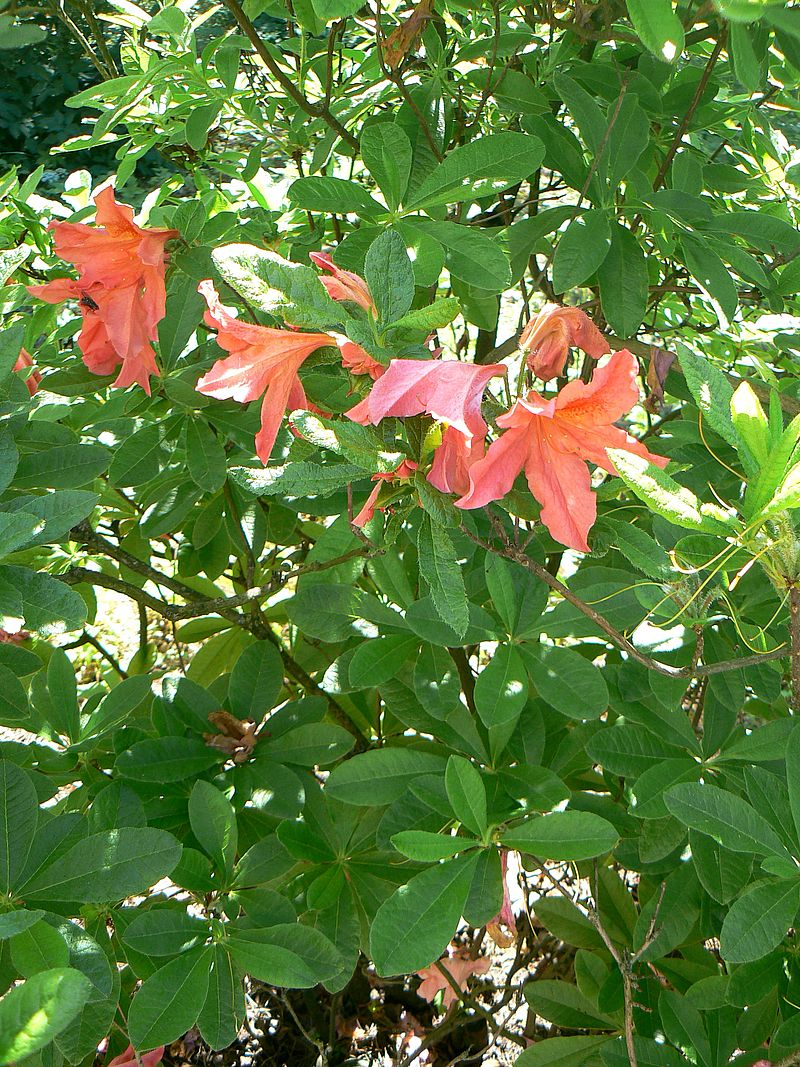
120, 289
121, 294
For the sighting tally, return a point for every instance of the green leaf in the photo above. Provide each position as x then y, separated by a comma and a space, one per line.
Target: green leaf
309, 745
63, 689
297, 479
139, 458
426, 847
321, 193
501, 690
666, 497
205, 456
13, 922
470, 255
570, 683
624, 283
375, 778
166, 759
169, 1001
213, 823
13, 697
278, 287
467, 794
164, 932
224, 1010
560, 1052
758, 920
43, 603
61, 467
39, 948
32, 1013
380, 659
436, 683
564, 835
16, 529
713, 277
19, 813
628, 139
485, 166
658, 26
433, 317
439, 567
386, 152
9, 458
290, 955
360, 445
10, 259
727, 818
184, 311
414, 926
564, 1005
107, 866
256, 681
581, 250
389, 276
792, 755
118, 706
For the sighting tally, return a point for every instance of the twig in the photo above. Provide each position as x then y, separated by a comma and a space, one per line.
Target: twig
509, 551
319, 109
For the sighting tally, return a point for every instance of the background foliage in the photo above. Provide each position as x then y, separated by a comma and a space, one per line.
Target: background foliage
329, 740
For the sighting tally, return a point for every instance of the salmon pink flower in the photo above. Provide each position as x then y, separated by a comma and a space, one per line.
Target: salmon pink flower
552, 440
357, 361
344, 284
402, 474
262, 362
459, 969
121, 291
547, 339
33, 381
447, 390
128, 1058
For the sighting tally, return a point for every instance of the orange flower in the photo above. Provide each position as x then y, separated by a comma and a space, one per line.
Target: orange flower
552, 441
402, 474
459, 969
357, 361
34, 379
548, 338
120, 290
344, 284
262, 362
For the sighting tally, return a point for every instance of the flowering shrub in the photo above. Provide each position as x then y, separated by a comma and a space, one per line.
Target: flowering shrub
435, 425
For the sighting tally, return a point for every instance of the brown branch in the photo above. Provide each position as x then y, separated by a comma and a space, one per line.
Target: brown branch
319, 109
517, 555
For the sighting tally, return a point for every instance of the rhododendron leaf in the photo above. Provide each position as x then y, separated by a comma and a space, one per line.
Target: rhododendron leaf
386, 151
414, 925
32, 1013
389, 275
433, 317
439, 567
581, 250
289, 954
224, 1009
425, 847
564, 835
658, 26
213, 823
667, 498
623, 283
278, 287
484, 166
357, 444
712, 393
726, 817
758, 920
466, 793
321, 193
169, 1001
297, 479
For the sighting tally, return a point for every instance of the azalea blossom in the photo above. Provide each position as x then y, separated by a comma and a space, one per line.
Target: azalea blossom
552, 440
447, 390
344, 284
459, 969
120, 289
547, 339
402, 474
357, 361
263, 362
33, 381
129, 1058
